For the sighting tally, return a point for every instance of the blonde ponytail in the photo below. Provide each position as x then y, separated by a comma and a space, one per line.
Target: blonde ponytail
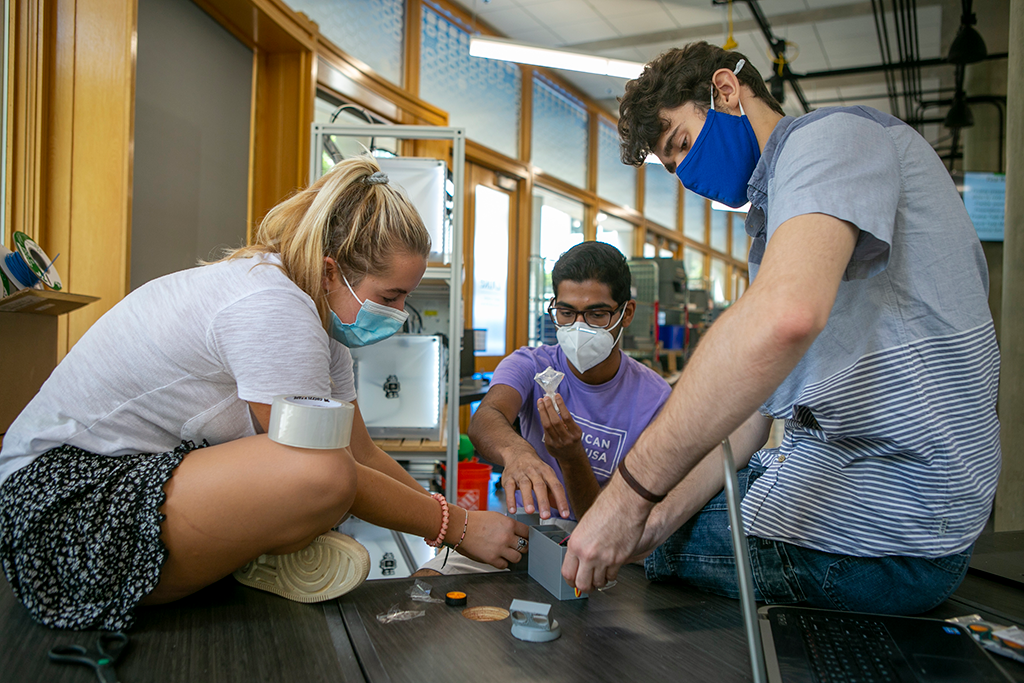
352, 214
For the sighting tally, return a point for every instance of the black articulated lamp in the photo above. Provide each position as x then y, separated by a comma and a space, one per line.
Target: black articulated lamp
777, 84
959, 115
968, 45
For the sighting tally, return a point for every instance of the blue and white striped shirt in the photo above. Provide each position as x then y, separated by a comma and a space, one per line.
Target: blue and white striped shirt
891, 444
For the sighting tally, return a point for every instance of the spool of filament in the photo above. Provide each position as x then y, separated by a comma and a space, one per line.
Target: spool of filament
6, 286
27, 267
39, 264
310, 422
10, 262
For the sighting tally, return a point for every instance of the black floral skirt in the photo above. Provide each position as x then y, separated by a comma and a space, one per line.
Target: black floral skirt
80, 534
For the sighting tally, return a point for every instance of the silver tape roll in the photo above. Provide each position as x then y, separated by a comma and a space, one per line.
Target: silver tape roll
310, 422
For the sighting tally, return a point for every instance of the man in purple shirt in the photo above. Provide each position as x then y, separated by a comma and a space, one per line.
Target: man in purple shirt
569, 448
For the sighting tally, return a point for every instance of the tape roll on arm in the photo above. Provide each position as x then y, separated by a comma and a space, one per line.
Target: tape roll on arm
310, 422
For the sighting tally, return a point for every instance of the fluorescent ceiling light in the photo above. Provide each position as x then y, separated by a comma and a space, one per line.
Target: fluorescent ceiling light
511, 51
651, 159
719, 206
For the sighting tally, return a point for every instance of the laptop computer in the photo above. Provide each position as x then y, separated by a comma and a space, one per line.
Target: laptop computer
810, 645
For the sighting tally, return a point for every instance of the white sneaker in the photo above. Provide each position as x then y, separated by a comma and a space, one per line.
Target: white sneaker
330, 566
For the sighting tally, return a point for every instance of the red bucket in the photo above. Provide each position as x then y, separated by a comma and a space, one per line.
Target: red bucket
474, 480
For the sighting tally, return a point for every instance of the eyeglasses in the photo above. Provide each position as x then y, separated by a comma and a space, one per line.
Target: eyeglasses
563, 316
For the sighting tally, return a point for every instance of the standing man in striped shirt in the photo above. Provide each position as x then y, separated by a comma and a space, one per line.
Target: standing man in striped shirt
866, 328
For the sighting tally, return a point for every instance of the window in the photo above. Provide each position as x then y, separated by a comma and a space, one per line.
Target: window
370, 30
616, 181
616, 232
490, 268
656, 246
482, 95
557, 227
559, 140
739, 238
719, 281
720, 231
739, 283
693, 262
661, 196
694, 207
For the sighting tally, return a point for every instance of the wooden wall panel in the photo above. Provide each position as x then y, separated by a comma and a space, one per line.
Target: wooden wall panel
268, 24
70, 155
101, 162
285, 67
26, 115
60, 126
285, 91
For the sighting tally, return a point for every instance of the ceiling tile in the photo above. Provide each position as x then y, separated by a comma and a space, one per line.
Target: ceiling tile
807, 54
815, 93
482, 7
615, 8
775, 7
866, 90
700, 15
562, 12
541, 36
642, 19
511, 21
594, 29
929, 26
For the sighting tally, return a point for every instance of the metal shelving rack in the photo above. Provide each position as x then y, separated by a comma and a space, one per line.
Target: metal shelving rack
643, 332
449, 273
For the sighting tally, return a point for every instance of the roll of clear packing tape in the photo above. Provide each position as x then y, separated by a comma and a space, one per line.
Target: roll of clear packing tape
310, 422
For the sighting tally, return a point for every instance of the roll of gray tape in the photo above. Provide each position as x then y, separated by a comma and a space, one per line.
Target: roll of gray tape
310, 422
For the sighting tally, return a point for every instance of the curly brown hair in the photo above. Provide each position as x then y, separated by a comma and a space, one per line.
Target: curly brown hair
674, 78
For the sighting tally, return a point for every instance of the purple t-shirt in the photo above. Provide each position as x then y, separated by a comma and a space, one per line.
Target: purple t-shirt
610, 415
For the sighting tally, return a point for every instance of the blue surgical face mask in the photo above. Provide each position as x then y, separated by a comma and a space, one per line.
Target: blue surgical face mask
374, 323
722, 159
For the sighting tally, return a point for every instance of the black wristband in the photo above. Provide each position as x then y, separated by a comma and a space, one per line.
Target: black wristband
637, 486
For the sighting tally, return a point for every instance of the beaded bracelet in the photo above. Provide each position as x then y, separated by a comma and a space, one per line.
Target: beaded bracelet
449, 549
463, 537
444, 521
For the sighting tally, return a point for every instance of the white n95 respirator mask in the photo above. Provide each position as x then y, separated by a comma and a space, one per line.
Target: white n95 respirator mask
587, 346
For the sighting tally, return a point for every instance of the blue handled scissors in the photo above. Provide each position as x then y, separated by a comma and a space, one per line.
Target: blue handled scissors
109, 647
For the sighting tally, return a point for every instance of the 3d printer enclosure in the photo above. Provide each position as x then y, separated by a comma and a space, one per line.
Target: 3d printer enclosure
417, 362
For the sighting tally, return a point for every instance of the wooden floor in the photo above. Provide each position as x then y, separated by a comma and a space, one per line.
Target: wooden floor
228, 633
224, 634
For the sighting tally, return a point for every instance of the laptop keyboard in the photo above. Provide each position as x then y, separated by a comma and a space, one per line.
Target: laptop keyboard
847, 650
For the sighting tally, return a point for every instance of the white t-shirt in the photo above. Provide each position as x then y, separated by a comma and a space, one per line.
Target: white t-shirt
178, 360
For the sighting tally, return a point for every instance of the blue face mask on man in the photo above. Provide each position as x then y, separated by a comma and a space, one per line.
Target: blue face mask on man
373, 323
722, 158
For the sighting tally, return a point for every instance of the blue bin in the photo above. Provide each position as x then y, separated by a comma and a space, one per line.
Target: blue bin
672, 337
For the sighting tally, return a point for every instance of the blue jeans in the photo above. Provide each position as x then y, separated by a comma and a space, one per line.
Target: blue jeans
700, 554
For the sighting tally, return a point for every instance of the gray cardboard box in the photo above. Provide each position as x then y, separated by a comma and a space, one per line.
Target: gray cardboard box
527, 519
545, 560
